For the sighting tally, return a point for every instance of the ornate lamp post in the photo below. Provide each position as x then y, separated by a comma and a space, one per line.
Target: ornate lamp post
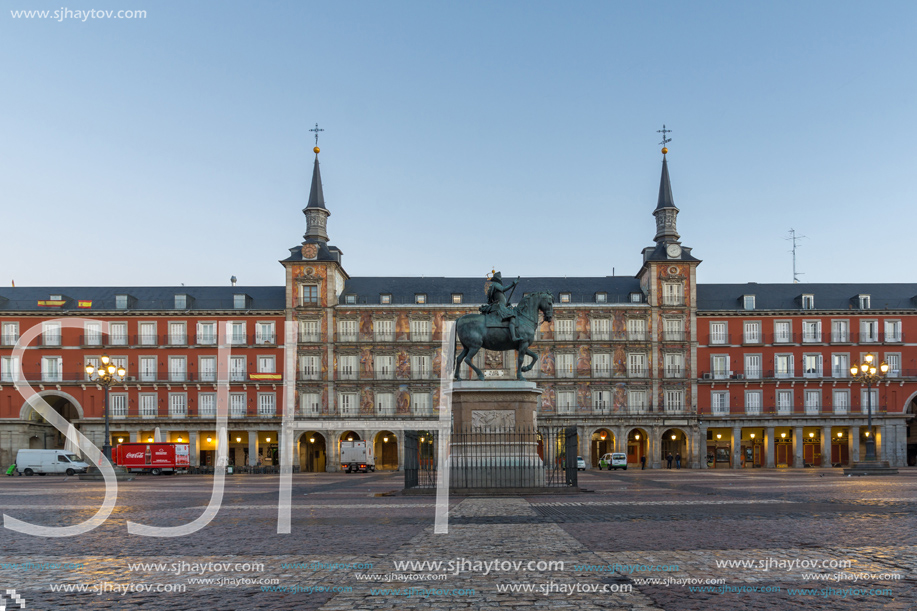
867, 373
105, 376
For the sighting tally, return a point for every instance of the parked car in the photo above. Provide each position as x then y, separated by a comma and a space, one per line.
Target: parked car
30, 462
580, 463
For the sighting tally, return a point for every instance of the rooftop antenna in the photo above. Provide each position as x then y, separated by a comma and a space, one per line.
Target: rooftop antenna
795, 239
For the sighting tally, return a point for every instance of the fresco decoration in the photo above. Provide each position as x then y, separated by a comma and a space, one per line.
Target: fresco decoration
366, 363
437, 362
619, 326
584, 397
366, 401
402, 365
547, 330
437, 326
334, 364
403, 400
316, 274
546, 366
620, 398
547, 399
619, 362
582, 325
324, 406
583, 361
324, 364
366, 326
402, 327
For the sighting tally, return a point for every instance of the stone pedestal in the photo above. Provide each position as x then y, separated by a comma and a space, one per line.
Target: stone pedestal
494, 445
873, 467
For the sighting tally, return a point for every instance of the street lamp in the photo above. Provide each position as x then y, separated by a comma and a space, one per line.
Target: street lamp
106, 375
867, 373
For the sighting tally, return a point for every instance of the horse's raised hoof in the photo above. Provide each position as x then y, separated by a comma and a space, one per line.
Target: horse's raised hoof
481, 377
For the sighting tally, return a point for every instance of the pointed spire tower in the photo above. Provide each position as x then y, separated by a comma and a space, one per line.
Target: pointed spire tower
315, 211
666, 213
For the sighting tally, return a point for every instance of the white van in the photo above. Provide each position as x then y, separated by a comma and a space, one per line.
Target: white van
30, 462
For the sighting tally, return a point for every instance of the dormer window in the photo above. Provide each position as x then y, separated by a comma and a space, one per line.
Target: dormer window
420, 298
120, 302
239, 301
808, 302
56, 298
636, 297
601, 297
350, 299
385, 298
748, 302
456, 298
864, 301
181, 302
565, 297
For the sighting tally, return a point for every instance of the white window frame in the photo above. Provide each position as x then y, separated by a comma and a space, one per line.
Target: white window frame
9, 334
754, 369
564, 329
748, 302
178, 404
601, 401
51, 333
310, 403
600, 329
238, 367
178, 333
421, 367
147, 373
719, 366
385, 404
566, 401
840, 401
310, 330
310, 367
840, 331
144, 336
148, 405
117, 404
811, 331
384, 330
348, 403
674, 400
812, 402
207, 404
808, 301
564, 365
267, 363
674, 329
719, 333
348, 367
636, 329
869, 331
239, 301
238, 404
601, 365
864, 301
421, 330
9, 369
178, 368
265, 332
117, 334
783, 399
52, 369
421, 403
719, 402
814, 359
838, 371
637, 365
206, 334
674, 364
864, 405
894, 336
384, 366
92, 331
790, 366
238, 333
673, 294
753, 402
267, 404
894, 364
347, 330
751, 332
636, 401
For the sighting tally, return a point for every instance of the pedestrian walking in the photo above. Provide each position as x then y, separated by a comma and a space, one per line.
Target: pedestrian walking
642, 463
678, 460
668, 461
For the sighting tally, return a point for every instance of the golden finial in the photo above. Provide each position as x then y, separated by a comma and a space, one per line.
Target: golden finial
316, 150
664, 150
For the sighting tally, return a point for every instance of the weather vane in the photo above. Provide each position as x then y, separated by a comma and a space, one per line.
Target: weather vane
665, 140
316, 129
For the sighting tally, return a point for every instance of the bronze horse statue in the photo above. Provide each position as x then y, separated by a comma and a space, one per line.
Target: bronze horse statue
473, 332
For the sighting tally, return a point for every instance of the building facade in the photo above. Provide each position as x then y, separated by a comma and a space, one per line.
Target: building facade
726, 376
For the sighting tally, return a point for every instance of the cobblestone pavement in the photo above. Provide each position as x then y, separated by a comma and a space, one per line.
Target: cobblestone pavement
636, 541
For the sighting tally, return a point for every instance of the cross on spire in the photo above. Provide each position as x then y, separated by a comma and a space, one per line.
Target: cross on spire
662, 131
316, 129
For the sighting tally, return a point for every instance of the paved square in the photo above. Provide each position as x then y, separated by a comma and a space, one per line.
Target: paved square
677, 540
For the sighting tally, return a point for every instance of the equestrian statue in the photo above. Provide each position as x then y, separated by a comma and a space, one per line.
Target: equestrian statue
501, 327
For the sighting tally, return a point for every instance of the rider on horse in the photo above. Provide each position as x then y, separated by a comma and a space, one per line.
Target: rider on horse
497, 302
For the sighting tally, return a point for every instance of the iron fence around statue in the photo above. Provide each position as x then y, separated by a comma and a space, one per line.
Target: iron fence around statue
482, 458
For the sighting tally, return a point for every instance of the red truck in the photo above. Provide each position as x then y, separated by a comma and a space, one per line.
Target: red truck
155, 458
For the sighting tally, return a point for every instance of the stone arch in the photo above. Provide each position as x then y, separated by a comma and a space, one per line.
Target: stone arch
26, 408
313, 455
599, 446
387, 453
637, 447
680, 446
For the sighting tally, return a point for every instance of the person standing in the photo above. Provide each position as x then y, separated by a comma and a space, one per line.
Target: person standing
643, 462
678, 460
668, 461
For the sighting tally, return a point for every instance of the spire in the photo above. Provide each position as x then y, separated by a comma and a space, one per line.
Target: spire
316, 197
665, 188
315, 211
665, 212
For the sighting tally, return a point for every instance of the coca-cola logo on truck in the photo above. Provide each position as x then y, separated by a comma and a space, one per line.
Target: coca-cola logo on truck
137, 455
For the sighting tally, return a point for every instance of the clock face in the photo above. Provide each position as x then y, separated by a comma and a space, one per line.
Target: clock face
673, 250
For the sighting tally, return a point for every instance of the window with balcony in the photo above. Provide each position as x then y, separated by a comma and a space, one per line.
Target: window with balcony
93, 334
783, 366
869, 330
674, 365
783, 332
265, 334
784, 399
673, 294
563, 365
753, 402
753, 366
811, 365
566, 401
206, 333
177, 369
9, 333
267, 404
601, 329
718, 333
347, 367
237, 369
385, 404
812, 399
117, 334
636, 401
420, 404
309, 330
840, 331
309, 295
178, 405
384, 330
752, 332
50, 333
51, 369
563, 329
177, 334
894, 364
601, 365
893, 331
636, 365
148, 405
9, 369
674, 401
349, 403
601, 401
719, 402
674, 329
309, 403
636, 329
117, 404
266, 364
420, 331
840, 365
421, 369
347, 330
207, 404
384, 366
237, 405
719, 366
310, 367
147, 334
147, 368
865, 397
811, 330
207, 368
841, 399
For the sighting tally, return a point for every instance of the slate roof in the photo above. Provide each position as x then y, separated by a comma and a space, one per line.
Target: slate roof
723, 297
25, 299
439, 289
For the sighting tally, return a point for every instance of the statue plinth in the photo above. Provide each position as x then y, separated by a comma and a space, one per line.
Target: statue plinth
495, 443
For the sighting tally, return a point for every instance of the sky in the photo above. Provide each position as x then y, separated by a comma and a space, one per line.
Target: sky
459, 136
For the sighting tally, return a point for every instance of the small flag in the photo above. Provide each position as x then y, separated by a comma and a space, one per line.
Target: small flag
14, 283
265, 376
51, 303
84, 304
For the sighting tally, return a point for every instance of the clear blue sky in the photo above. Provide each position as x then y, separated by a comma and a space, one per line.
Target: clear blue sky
178, 144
